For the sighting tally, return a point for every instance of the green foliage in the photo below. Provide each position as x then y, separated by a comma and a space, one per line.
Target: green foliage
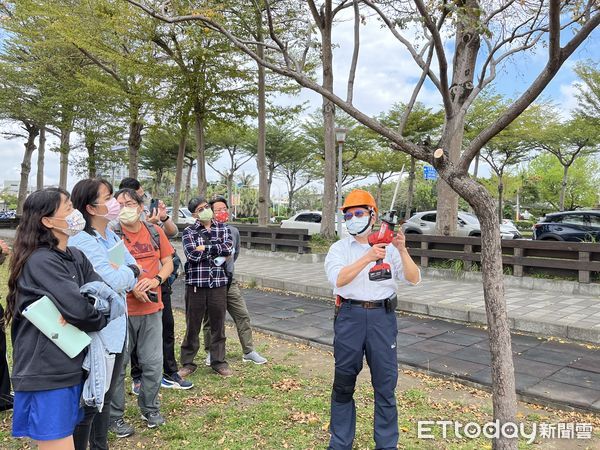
524, 225
545, 175
589, 89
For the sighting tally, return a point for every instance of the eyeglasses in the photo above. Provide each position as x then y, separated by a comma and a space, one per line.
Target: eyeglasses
129, 205
358, 214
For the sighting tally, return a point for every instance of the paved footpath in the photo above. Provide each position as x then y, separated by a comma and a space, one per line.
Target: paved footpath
547, 372
557, 312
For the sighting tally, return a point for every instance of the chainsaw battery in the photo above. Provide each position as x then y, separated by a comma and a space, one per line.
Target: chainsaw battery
380, 272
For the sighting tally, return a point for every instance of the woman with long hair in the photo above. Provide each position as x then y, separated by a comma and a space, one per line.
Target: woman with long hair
47, 383
94, 199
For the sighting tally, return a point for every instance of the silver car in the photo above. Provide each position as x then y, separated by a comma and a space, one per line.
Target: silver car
468, 225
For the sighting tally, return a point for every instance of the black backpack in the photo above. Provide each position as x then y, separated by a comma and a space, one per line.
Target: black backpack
156, 244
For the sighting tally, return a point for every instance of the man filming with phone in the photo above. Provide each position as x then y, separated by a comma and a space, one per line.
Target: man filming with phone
156, 213
365, 323
151, 249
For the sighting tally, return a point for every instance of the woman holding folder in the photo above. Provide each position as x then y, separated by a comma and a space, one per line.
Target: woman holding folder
46, 381
111, 260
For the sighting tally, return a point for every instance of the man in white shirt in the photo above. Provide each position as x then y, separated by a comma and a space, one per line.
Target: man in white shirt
365, 323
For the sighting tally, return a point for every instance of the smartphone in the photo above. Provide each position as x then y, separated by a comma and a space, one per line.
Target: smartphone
152, 296
153, 206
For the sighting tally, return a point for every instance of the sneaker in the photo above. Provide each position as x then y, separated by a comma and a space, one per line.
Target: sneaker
154, 419
121, 428
207, 360
176, 382
166, 383
186, 370
224, 371
135, 386
254, 357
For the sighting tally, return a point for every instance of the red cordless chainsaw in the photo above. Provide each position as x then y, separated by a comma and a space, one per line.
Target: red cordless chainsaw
382, 270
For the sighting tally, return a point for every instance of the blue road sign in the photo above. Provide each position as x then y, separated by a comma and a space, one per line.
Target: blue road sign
429, 173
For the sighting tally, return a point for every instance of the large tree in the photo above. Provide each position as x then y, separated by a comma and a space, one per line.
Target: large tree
504, 29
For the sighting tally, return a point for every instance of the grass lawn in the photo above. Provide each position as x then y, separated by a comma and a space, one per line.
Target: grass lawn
285, 404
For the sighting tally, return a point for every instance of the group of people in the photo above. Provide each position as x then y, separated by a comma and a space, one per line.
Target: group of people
106, 264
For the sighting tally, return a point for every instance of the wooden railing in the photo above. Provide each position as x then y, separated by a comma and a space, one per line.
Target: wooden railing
271, 238
525, 257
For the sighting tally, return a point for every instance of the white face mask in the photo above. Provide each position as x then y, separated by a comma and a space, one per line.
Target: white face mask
75, 223
359, 226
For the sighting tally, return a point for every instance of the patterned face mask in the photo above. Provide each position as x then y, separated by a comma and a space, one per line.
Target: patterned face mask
75, 223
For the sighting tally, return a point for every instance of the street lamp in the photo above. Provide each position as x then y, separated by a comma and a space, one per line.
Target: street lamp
340, 138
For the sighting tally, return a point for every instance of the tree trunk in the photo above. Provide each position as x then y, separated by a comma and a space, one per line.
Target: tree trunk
65, 148
179, 169
261, 158
411, 187
32, 133
378, 193
229, 187
503, 378
476, 168
329, 200
90, 145
41, 158
500, 200
563, 188
188, 182
200, 148
447, 206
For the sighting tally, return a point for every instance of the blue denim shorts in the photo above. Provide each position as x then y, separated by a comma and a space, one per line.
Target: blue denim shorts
47, 415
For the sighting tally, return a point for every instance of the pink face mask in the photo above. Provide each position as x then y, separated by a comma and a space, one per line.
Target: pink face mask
113, 208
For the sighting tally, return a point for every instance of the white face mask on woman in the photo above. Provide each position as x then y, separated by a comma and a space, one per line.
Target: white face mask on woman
75, 223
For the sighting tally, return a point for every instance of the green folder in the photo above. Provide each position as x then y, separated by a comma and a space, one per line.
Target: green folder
45, 316
116, 254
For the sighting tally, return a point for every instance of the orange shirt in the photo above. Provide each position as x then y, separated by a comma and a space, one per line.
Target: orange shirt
141, 247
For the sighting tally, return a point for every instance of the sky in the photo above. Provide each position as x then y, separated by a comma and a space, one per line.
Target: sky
386, 75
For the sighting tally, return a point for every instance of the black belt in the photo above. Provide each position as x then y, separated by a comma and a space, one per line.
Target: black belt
365, 303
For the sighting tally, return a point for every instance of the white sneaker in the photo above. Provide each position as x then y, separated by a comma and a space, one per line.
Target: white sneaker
254, 357
207, 360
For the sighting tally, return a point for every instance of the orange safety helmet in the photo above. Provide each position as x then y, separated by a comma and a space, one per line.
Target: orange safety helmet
359, 197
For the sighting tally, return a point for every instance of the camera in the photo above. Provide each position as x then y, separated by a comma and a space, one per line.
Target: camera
152, 296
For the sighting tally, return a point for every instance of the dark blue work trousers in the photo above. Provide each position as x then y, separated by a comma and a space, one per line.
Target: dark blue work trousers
372, 333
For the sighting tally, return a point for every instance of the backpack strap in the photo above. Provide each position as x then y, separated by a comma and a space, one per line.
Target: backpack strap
153, 234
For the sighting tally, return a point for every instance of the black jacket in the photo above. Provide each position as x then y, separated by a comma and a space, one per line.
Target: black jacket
38, 364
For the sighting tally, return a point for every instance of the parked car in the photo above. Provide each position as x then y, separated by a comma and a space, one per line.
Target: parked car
569, 226
185, 216
311, 221
468, 225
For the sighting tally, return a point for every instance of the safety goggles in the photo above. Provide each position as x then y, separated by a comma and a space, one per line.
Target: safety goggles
358, 214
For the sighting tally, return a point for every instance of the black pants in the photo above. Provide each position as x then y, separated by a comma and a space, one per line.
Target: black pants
197, 302
6, 400
94, 426
168, 334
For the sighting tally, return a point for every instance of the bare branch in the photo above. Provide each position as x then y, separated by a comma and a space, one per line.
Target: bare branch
441, 56
494, 13
556, 57
352, 74
102, 66
418, 59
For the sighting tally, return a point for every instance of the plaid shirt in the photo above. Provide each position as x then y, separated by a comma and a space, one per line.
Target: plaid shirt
200, 269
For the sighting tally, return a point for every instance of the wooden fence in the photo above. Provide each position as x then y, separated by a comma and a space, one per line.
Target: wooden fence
271, 238
525, 257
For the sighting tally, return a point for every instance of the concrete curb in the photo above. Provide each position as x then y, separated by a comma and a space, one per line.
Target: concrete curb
444, 312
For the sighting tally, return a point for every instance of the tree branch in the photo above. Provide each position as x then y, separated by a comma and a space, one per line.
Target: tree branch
556, 57
352, 74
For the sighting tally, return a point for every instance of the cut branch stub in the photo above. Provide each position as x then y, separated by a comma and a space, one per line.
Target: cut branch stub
438, 157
